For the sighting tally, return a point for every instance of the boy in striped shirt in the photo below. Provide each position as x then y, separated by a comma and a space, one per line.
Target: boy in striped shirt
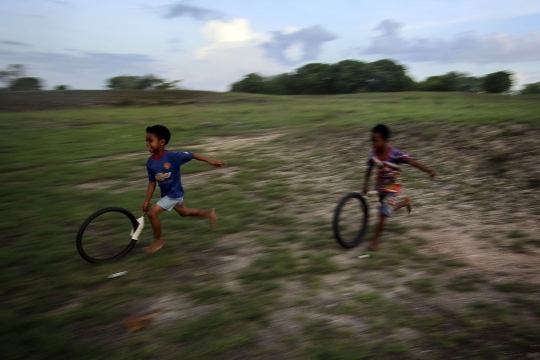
388, 159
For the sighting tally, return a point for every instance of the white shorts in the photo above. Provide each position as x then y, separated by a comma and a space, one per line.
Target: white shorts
169, 203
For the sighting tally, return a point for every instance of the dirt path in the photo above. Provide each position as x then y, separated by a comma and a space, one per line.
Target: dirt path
464, 215
479, 220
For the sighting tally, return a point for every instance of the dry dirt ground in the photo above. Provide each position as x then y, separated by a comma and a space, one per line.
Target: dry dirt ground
486, 189
480, 217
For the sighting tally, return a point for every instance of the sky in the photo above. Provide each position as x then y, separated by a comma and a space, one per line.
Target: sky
208, 45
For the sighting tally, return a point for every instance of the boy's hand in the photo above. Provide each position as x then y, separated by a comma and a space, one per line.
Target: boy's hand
431, 175
365, 190
218, 163
145, 206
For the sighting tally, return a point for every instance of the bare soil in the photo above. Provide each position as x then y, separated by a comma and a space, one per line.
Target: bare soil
483, 211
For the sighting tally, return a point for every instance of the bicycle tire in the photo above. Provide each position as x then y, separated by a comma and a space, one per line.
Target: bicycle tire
346, 243
80, 234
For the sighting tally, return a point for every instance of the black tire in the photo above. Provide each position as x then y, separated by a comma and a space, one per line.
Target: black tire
82, 247
360, 221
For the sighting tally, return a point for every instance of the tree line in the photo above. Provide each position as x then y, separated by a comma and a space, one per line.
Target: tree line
147, 82
14, 78
344, 77
353, 76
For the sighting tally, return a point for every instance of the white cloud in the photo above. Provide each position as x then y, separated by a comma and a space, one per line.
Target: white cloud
463, 47
13, 43
476, 11
196, 12
289, 46
234, 50
232, 31
294, 53
290, 30
526, 77
224, 35
286, 43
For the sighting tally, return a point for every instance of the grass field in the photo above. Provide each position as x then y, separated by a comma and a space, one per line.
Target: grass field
457, 278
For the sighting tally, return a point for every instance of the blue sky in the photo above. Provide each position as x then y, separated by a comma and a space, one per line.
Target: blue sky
210, 44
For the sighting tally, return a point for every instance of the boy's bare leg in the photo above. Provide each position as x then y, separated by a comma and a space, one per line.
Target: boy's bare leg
153, 216
380, 227
407, 202
209, 215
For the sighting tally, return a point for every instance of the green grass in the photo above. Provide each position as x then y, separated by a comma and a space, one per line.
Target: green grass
273, 251
423, 286
465, 283
452, 263
516, 234
519, 246
331, 342
277, 263
219, 332
380, 260
514, 287
213, 293
528, 304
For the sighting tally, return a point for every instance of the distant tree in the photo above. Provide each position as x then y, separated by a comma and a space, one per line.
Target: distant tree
497, 82
251, 83
314, 79
448, 82
385, 76
345, 77
25, 84
123, 82
146, 82
282, 84
452, 81
531, 89
61, 87
167, 85
349, 76
469, 83
436, 83
11, 73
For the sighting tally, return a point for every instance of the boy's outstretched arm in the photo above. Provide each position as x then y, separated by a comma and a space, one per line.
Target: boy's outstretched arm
218, 163
419, 166
149, 193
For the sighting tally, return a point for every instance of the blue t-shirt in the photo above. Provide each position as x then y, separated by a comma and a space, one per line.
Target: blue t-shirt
166, 171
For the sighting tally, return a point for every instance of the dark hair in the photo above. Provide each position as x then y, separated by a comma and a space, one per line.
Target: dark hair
383, 130
160, 131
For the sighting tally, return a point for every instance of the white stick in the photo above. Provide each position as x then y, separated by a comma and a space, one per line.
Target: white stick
117, 274
135, 235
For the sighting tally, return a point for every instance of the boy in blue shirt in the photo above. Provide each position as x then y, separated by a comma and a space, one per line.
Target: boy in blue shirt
388, 161
164, 168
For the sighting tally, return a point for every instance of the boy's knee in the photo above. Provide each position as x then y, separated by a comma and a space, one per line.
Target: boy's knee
152, 214
183, 212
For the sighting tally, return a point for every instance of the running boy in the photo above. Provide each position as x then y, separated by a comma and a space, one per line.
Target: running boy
388, 181
164, 167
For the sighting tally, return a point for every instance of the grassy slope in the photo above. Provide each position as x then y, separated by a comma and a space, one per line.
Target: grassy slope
50, 297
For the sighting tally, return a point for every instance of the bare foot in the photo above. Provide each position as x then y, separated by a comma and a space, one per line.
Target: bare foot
155, 246
373, 247
212, 217
408, 204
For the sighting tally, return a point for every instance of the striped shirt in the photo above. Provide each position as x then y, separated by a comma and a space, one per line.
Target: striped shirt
388, 170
